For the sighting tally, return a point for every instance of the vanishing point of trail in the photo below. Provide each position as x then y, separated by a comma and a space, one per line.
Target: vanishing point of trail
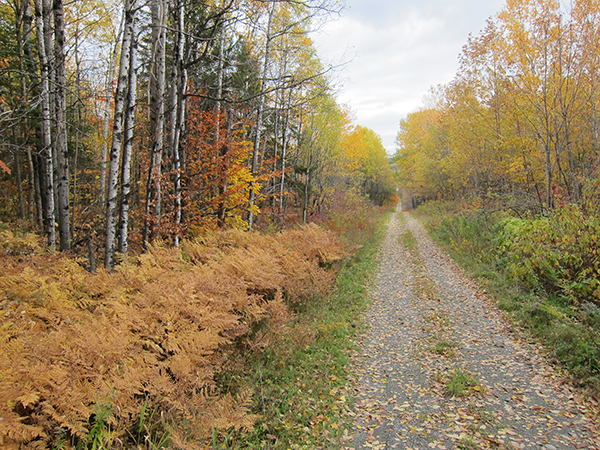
440, 367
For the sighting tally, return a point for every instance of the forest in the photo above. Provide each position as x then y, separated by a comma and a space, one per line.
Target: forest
520, 119
179, 187
128, 122
189, 218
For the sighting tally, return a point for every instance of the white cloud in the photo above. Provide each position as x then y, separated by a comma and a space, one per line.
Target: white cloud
397, 50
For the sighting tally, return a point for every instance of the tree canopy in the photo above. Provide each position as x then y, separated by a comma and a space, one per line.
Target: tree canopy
520, 119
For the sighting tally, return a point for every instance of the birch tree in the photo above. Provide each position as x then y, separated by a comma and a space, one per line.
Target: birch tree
42, 10
179, 80
131, 11
60, 108
157, 119
260, 111
128, 136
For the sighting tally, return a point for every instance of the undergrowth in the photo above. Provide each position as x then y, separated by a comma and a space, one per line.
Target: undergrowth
543, 271
235, 340
133, 358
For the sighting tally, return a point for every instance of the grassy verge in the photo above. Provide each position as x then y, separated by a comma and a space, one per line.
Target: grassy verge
568, 330
301, 382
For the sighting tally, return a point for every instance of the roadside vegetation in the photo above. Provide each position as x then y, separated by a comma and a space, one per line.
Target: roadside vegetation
543, 270
301, 389
233, 340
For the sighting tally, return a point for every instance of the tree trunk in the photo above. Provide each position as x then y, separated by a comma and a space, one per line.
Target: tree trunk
62, 154
220, 77
259, 114
91, 255
20, 185
225, 148
79, 101
117, 138
41, 9
128, 144
26, 56
22, 16
48, 43
305, 205
157, 116
34, 190
179, 83
276, 130
109, 95
284, 152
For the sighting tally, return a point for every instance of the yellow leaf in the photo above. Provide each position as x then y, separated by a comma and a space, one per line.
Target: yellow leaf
28, 399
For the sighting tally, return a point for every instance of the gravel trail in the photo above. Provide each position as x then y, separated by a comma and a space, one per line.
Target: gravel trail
440, 368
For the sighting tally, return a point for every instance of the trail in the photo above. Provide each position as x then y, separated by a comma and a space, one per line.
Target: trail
430, 328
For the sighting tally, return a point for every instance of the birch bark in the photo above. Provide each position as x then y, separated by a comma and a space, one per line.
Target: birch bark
61, 148
157, 117
41, 8
179, 83
260, 113
128, 143
117, 138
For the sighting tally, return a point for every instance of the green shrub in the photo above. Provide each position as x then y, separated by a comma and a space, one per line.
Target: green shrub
560, 253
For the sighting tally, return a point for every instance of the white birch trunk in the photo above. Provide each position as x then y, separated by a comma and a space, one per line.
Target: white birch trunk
157, 118
179, 83
128, 144
284, 152
259, 115
106, 127
49, 217
62, 153
117, 138
48, 33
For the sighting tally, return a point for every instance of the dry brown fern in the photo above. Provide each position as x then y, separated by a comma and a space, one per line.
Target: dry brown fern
150, 335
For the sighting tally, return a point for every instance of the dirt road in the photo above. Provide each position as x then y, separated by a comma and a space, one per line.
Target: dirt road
441, 368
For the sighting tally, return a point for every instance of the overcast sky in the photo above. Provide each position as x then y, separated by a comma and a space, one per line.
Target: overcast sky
397, 50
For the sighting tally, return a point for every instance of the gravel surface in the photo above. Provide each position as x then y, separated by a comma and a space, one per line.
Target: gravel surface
440, 367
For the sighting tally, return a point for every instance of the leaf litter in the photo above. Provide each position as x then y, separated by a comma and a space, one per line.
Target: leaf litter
512, 399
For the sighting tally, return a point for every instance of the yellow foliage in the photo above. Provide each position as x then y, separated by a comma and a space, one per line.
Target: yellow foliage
519, 120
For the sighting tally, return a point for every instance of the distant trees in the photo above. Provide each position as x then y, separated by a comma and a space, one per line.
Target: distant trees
520, 119
137, 121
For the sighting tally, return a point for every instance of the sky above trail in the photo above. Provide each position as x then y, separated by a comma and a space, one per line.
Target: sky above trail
395, 51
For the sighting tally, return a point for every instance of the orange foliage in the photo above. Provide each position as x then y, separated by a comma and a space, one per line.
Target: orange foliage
153, 333
217, 179
4, 168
